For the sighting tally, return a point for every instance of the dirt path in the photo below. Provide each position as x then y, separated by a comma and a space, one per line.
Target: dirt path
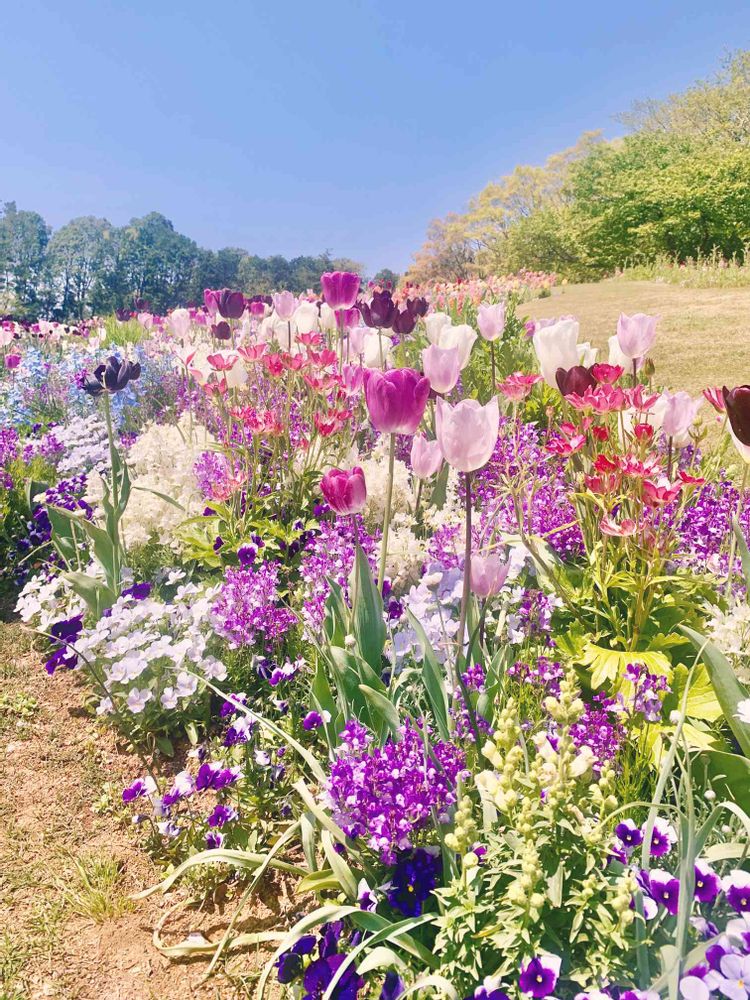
69, 859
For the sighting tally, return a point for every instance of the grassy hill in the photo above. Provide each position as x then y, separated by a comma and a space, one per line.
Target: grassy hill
703, 334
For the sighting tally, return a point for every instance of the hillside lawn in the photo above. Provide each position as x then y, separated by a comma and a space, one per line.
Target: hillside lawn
703, 333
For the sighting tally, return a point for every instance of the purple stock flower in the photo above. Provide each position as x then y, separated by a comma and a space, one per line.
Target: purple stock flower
247, 606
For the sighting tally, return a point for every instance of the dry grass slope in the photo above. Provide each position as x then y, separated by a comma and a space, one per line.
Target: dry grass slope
704, 333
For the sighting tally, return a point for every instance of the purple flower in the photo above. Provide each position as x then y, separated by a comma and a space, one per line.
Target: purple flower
736, 887
112, 376
139, 591
539, 977
396, 399
247, 607
319, 974
707, 883
139, 788
340, 288
289, 966
313, 720
413, 880
628, 834
214, 840
221, 815
665, 889
393, 986
663, 836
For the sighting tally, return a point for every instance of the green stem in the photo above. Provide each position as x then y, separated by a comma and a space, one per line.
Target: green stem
733, 543
467, 567
387, 512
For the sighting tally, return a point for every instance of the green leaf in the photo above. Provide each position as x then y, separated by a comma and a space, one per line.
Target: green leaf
728, 689
433, 677
744, 554
729, 774
608, 665
367, 614
382, 709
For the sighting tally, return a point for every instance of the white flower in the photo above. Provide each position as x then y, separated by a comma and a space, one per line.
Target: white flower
137, 700
214, 669
169, 698
743, 711
105, 707
187, 684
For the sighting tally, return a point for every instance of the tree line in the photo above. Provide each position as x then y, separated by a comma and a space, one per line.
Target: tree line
89, 266
676, 184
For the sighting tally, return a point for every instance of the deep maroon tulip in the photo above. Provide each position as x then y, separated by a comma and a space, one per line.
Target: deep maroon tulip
577, 379
380, 311
111, 377
737, 402
418, 306
396, 399
404, 322
340, 288
231, 305
222, 330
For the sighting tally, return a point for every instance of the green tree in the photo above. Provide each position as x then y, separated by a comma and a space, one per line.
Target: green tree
23, 243
76, 254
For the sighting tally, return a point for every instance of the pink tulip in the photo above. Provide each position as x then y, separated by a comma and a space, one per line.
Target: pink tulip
488, 574
340, 288
610, 527
396, 399
357, 339
518, 386
715, 397
345, 491
467, 432
636, 334
441, 366
426, 457
353, 378
12, 361
491, 320
285, 303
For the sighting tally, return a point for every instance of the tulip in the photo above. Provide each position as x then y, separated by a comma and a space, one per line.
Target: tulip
377, 350
404, 322
434, 323
463, 337
357, 339
306, 317
345, 491
556, 347
467, 432
380, 311
618, 359
328, 320
12, 361
715, 397
112, 376
285, 304
222, 330
587, 354
441, 366
488, 574
737, 403
607, 374
396, 400
179, 322
426, 457
575, 380
636, 335
491, 321
679, 415
340, 288
228, 304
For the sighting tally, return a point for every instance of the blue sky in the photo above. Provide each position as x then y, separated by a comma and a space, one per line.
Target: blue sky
292, 127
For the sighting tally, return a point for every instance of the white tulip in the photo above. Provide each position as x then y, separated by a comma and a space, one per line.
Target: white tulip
556, 347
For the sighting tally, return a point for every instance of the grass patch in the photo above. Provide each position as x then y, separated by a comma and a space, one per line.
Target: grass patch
96, 892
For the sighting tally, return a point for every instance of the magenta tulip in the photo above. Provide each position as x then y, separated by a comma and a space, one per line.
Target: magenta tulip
467, 432
12, 361
636, 334
345, 491
491, 320
426, 457
488, 574
441, 366
340, 288
396, 399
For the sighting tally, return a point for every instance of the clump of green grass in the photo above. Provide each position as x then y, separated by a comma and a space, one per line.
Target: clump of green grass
96, 892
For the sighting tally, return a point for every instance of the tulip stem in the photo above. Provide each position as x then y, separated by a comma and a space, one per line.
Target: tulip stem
492, 356
387, 511
733, 543
467, 566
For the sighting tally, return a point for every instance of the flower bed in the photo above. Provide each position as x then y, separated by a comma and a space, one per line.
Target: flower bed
422, 604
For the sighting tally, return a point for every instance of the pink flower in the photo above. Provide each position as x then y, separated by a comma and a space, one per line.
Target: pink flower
12, 361
659, 493
488, 574
467, 432
563, 447
345, 491
716, 398
491, 320
396, 399
679, 414
518, 386
441, 366
601, 399
285, 304
426, 457
624, 529
607, 374
636, 334
340, 288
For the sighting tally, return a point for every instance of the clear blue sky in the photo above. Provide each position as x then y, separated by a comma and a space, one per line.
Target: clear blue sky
292, 127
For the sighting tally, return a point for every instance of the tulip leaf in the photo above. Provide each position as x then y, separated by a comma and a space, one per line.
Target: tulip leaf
744, 555
367, 613
728, 689
433, 677
382, 708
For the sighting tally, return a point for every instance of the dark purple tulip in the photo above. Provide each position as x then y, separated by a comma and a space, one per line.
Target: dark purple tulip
380, 311
575, 380
123, 315
340, 288
112, 376
222, 330
231, 305
417, 306
141, 305
737, 402
404, 322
